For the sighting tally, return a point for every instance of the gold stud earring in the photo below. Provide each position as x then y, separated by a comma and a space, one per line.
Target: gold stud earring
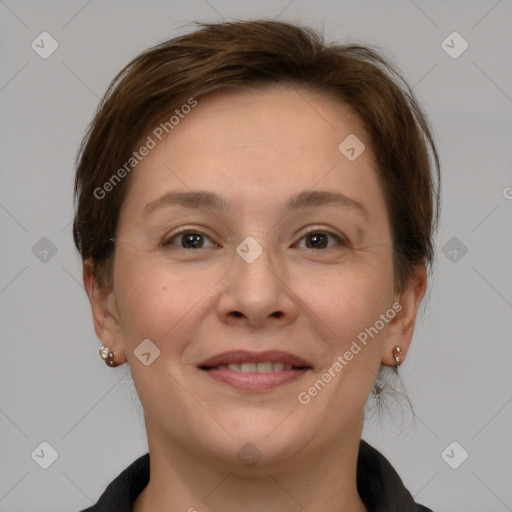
108, 356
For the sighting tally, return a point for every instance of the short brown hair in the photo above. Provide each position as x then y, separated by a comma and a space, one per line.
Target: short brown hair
258, 53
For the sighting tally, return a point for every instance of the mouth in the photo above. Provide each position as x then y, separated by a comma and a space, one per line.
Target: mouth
255, 371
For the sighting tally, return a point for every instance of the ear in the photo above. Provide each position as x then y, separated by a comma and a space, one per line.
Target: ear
104, 312
401, 328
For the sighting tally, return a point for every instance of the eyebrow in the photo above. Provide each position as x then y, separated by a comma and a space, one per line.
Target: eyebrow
210, 200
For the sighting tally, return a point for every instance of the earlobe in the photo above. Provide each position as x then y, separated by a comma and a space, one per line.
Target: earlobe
104, 314
401, 328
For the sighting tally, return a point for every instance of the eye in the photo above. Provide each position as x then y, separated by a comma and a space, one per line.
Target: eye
193, 239
319, 239
188, 239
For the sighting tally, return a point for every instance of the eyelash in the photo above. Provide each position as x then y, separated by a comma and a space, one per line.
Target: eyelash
168, 243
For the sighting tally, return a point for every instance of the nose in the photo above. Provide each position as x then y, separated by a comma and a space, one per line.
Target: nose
258, 293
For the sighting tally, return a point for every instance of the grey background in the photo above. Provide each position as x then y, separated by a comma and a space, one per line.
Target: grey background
55, 388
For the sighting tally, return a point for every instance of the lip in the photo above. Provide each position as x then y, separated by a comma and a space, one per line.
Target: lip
254, 381
246, 356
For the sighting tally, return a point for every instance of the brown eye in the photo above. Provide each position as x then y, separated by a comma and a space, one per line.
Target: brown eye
320, 240
317, 240
188, 239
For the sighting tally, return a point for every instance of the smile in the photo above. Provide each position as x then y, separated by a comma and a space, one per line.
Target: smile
255, 371
265, 367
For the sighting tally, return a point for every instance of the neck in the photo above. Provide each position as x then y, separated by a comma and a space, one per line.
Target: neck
313, 482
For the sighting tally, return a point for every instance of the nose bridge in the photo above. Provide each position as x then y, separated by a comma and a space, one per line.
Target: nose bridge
253, 270
257, 288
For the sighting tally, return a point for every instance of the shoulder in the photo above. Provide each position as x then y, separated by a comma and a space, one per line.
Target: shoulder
379, 485
122, 492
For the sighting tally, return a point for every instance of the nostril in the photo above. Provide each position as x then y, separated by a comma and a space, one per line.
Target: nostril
276, 314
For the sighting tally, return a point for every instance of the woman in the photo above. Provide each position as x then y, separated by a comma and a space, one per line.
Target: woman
255, 212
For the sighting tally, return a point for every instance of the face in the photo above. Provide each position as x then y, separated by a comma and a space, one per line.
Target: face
288, 251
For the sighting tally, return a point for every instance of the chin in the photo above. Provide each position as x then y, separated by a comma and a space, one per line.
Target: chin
262, 440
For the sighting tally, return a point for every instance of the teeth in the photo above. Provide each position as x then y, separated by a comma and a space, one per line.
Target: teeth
248, 367
266, 367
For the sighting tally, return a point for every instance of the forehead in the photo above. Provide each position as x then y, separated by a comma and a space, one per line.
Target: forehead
272, 115
267, 139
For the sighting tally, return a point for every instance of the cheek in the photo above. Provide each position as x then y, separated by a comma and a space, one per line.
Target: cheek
157, 303
347, 306
349, 299
146, 297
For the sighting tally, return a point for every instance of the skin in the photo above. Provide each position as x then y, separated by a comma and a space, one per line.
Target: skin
256, 148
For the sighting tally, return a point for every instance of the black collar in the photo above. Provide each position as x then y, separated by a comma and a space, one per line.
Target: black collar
378, 484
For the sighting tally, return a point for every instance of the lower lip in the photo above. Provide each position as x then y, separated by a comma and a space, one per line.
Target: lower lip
253, 381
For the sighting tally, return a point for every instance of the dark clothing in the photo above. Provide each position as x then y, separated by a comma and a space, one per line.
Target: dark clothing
378, 484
